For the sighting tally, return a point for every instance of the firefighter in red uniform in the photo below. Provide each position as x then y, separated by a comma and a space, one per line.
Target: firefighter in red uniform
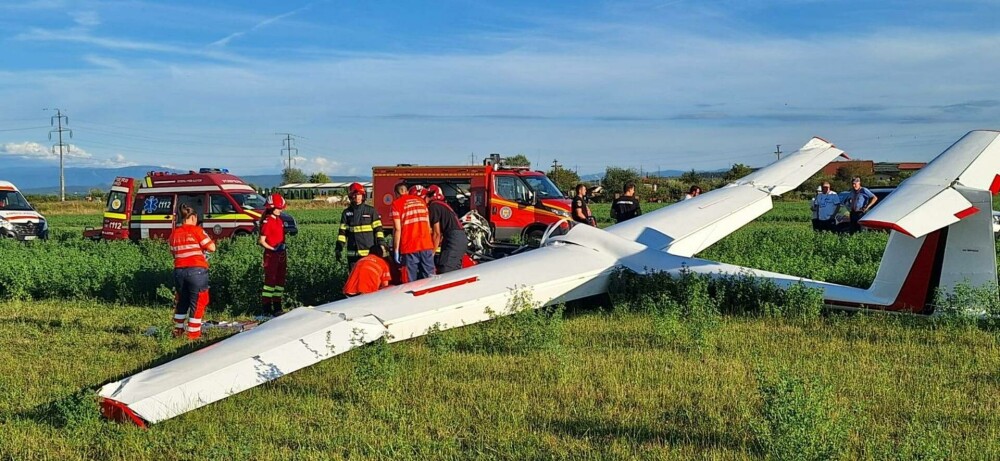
411, 237
272, 238
370, 273
188, 242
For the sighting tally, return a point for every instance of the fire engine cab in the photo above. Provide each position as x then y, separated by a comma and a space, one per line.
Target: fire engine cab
518, 203
226, 206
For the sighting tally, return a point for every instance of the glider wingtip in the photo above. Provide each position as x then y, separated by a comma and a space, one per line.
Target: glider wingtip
114, 410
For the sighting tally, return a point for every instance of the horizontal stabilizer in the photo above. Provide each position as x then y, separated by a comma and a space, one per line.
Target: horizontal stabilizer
688, 227
930, 200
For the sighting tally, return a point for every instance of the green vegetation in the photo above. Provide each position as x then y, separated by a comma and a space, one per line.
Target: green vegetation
673, 367
875, 387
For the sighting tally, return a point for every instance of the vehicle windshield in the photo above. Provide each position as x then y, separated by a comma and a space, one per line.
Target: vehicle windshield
12, 200
543, 186
250, 201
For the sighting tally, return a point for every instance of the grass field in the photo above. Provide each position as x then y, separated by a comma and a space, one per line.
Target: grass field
612, 387
605, 382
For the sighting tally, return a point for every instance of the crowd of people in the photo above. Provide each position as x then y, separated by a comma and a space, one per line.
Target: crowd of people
827, 204
428, 239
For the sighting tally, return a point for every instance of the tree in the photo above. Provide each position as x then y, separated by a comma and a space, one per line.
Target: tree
517, 160
293, 175
616, 178
565, 179
691, 177
738, 171
319, 177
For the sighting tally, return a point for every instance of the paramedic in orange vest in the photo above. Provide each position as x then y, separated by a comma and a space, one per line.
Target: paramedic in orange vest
370, 273
411, 237
272, 238
188, 242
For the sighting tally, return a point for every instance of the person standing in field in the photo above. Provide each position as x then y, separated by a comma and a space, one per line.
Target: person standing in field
272, 238
859, 202
370, 274
446, 231
412, 245
188, 245
825, 207
581, 207
693, 192
627, 205
360, 227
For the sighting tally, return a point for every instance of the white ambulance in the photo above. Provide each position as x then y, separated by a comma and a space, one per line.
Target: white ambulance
18, 220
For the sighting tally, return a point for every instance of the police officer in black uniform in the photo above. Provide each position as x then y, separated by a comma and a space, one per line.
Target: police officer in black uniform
627, 206
581, 208
360, 227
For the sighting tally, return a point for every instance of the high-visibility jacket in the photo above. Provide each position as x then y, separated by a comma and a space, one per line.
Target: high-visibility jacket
186, 245
360, 228
414, 218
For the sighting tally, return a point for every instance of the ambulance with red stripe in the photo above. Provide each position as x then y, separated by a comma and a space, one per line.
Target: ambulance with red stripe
18, 220
147, 208
517, 202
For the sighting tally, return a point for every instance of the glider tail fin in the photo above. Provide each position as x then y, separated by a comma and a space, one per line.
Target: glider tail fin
914, 269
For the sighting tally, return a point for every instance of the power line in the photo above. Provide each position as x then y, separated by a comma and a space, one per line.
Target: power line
58, 121
25, 129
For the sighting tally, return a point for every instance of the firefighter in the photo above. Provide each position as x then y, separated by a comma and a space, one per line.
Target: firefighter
272, 238
447, 232
188, 244
360, 227
411, 238
370, 274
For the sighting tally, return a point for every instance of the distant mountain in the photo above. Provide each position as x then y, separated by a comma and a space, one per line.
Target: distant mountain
35, 178
44, 179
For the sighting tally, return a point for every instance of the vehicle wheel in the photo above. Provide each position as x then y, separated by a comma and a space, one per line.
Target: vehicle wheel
533, 237
240, 233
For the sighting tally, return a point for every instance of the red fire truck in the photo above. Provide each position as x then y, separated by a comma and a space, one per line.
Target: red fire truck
226, 205
518, 203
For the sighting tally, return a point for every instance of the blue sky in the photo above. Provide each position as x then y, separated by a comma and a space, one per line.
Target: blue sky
652, 84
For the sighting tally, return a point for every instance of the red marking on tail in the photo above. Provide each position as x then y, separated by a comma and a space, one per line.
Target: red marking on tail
967, 212
995, 185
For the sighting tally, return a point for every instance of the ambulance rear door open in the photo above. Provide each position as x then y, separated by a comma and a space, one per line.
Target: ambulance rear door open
153, 216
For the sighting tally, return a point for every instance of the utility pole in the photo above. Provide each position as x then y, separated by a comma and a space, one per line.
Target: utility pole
57, 120
777, 151
287, 146
472, 158
555, 165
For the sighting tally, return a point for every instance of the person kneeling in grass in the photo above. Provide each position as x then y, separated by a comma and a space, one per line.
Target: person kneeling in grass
370, 273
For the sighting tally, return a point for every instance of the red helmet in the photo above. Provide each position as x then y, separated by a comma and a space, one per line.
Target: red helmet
434, 192
418, 190
356, 188
275, 200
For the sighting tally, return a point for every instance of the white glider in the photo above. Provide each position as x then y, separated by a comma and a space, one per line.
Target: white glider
919, 258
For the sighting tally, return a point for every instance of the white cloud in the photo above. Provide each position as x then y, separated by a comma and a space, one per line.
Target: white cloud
72, 154
30, 149
86, 18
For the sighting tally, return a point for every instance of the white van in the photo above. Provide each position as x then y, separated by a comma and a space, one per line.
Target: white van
18, 220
